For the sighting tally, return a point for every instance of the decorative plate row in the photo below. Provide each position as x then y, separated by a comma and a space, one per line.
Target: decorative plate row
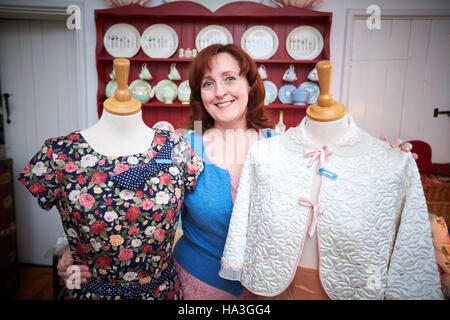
260, 42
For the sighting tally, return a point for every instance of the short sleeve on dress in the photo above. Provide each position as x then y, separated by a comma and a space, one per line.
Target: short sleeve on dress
40, 177
191, 163
194, 167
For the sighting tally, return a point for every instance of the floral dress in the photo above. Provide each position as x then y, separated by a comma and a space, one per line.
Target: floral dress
124, 235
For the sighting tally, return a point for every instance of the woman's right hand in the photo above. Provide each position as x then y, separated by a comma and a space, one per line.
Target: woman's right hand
80, 272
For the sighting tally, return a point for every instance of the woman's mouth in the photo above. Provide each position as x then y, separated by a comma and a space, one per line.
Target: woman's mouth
224, 104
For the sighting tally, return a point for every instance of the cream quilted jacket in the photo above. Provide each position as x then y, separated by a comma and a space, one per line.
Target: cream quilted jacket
374, 233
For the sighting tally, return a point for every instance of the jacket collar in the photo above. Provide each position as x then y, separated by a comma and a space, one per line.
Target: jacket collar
350, 144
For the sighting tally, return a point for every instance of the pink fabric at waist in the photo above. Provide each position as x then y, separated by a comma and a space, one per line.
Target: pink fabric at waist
306, 285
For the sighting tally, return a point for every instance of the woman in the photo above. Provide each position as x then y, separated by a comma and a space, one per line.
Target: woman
227, 99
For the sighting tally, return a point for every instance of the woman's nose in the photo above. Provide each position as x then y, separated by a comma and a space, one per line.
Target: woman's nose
220, 90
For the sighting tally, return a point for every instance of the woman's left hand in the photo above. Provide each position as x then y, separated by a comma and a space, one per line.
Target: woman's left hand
404, 146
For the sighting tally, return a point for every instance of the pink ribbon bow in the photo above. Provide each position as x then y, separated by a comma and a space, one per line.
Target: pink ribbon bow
314, 215
320, 154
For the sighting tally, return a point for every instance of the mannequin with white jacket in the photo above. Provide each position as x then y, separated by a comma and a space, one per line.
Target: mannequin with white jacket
329, 184
322, 133
322, 130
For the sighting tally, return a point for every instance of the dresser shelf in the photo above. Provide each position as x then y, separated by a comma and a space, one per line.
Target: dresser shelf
187, 19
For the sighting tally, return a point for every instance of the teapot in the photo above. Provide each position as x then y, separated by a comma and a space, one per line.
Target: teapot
143, 94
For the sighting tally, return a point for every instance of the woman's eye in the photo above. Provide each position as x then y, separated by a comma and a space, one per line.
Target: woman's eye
206, 84
230, 78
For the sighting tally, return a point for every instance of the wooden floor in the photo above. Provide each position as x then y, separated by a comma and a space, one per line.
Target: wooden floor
36, 283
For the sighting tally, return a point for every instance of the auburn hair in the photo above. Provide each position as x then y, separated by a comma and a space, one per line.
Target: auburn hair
256, 114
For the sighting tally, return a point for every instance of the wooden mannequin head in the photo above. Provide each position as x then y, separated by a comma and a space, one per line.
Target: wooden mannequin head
325, 108
122, 103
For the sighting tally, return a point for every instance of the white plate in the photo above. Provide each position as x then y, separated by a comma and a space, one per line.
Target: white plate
260, 42
122, 40
164, 125
314, 91
211, 35
159, 41
304, 43
271, 92
285, 93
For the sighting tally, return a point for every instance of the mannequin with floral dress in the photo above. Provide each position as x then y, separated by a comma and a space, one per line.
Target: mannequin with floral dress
119, 187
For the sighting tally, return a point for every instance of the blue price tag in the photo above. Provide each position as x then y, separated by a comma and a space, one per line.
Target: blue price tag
327, 173
163, 161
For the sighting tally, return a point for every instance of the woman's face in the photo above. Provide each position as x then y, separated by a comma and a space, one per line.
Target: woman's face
224, 92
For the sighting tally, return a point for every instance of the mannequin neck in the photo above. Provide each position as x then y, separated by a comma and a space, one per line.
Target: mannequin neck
118, 124
326, 132
117, 135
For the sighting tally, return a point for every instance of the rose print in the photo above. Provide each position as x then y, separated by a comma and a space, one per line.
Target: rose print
71, 232
126, 194
74, 195
71, 167
81, 179
95, 245
149, 230
136, 243
59, 175
133, 160
147, 204
88, 161
27, 168
147, 248
134, 230
159, 139
126, 254
133, 213
37, 188
170, 214
162, 197
130, 276
165, 179
99, 177
157, 216
103, 261
159, 234
154, 180
116, 240
192, 168
174, 171
86, 200
98, 227
151, 153
39, 169
110, 216
120, 168
73, 137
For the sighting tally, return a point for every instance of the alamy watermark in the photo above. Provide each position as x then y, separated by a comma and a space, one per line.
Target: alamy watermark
74, 280
74, 20
374, 20
373, 282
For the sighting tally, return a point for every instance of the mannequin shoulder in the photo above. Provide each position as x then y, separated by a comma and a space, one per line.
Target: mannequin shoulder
380, 149
73, 137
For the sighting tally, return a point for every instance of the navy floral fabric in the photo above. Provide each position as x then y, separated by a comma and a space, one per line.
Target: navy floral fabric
124, 236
